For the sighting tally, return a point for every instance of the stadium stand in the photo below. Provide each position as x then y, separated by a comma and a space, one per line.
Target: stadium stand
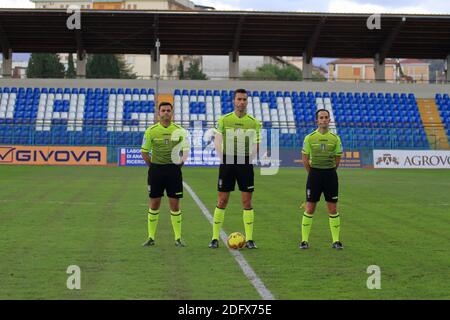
75, 116
119, 116
443, 103
379, 120
366, 120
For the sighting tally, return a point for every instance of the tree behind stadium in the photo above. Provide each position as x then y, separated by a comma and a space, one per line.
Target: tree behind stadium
274, 72
45, 65
71, 73
108, 66
194, 71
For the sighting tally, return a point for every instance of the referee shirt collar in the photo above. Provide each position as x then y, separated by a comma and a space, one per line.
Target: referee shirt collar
160, 124
318, 131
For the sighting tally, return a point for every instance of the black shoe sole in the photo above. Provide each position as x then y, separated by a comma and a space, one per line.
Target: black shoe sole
303, 248
148, 245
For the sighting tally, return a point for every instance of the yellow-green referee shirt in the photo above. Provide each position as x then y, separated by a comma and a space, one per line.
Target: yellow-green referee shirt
160, 141
322, 149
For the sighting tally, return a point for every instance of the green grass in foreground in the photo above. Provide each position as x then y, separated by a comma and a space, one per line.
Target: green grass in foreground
53, 217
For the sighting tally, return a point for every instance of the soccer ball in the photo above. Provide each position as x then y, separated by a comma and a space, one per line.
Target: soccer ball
236, 240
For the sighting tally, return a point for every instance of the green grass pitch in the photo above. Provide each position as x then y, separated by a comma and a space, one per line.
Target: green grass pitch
95, 218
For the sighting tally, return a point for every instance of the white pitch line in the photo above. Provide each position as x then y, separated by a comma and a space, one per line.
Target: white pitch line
246, 268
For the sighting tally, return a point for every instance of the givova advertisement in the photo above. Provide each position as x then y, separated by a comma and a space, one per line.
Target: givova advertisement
51, 155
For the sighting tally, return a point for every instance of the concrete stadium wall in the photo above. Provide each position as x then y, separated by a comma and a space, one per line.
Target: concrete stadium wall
423, 91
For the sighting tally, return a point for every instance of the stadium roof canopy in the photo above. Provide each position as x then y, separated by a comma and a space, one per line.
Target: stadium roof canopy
221, 32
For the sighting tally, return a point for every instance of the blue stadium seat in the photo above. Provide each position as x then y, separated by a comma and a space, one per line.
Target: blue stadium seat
365, 114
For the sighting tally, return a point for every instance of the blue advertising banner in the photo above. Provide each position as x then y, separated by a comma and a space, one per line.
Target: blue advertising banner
286, 158
130, 157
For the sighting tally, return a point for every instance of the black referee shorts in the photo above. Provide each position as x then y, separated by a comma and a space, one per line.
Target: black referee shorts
322, 180
165, 177
230, 173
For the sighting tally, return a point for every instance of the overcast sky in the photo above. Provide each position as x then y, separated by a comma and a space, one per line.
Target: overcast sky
350, 6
